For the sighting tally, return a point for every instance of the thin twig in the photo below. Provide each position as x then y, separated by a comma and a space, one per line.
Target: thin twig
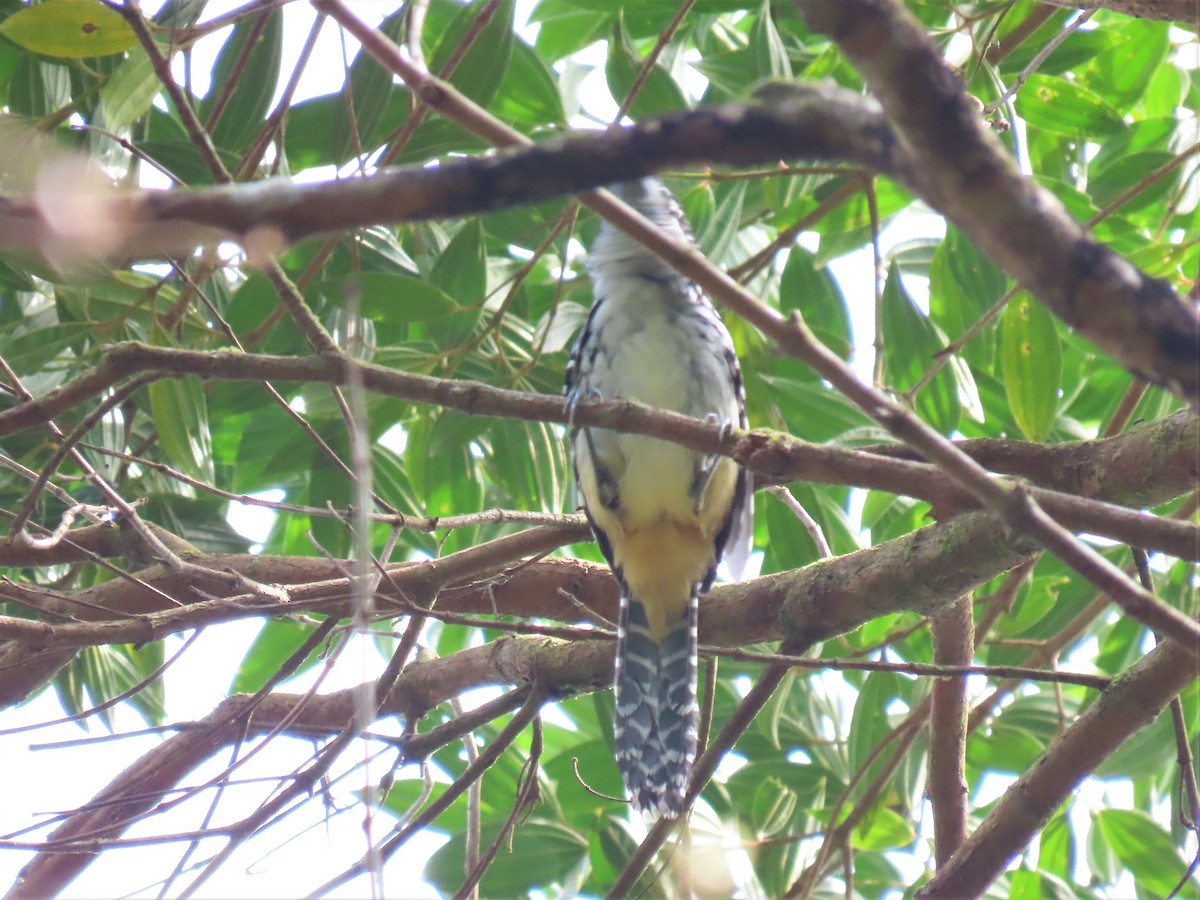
1040, 57
810, 524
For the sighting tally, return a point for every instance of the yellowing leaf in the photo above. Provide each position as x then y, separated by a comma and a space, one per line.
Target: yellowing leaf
69, 29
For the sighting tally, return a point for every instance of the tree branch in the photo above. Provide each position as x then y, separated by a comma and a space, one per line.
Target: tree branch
1151, 464
955, 163
825, 123
1164, 10
775, 456
1134, 701
953, 644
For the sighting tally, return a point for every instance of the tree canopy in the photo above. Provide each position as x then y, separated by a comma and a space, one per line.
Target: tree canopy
956, 247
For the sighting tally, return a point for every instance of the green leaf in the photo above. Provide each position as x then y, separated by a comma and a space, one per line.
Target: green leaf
328, 486
277, 640
1149, 752
358, 112
848, 226
105, 672
564, 30
911, 342
1064, 107
180, 415
461, 274
767, 48
484, 66
884, 829
241, 102
1018, 736
1165, 92
1144, 849
1080, 47
69, 29
528, 94
389, 298
816, 294
1056, 848
720, 236
1031, 360
869, 724
1132, 169
542, 852
38, 88
183, 160
964, 283
597, 769
1123, 73
658, 94
32, 351
129, 91
818, 414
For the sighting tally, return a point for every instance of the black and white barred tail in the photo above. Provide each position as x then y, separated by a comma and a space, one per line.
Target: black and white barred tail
654, 728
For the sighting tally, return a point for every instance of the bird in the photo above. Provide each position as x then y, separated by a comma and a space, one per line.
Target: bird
663, 515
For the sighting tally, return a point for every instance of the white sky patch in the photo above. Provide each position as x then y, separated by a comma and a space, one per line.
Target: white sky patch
254, 523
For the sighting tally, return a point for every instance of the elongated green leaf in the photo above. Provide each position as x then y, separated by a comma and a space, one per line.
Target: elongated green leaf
813, 291
911, 341
1123, 72
1145, 849
461, 274
528, 95
328, 486
31, 351
243, 82
658, 94
1064, 107
1075, 51
767, 47
1131, 170
460, 271
129, 91
564, 29
387, 297
69, 29
277, 640
181, 418
541, 853
882, 830
38, 88
718, 239
1056, 849
356, 114
483, 67
869, 724
1031, 359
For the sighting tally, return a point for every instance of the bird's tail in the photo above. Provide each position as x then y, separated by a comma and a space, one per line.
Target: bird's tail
655, 724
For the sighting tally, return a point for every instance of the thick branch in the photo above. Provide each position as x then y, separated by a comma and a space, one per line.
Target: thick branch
953, 644
775, 456
826, 123
142, 610
1184, 11
1149, 465
1132, 702
955, 163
